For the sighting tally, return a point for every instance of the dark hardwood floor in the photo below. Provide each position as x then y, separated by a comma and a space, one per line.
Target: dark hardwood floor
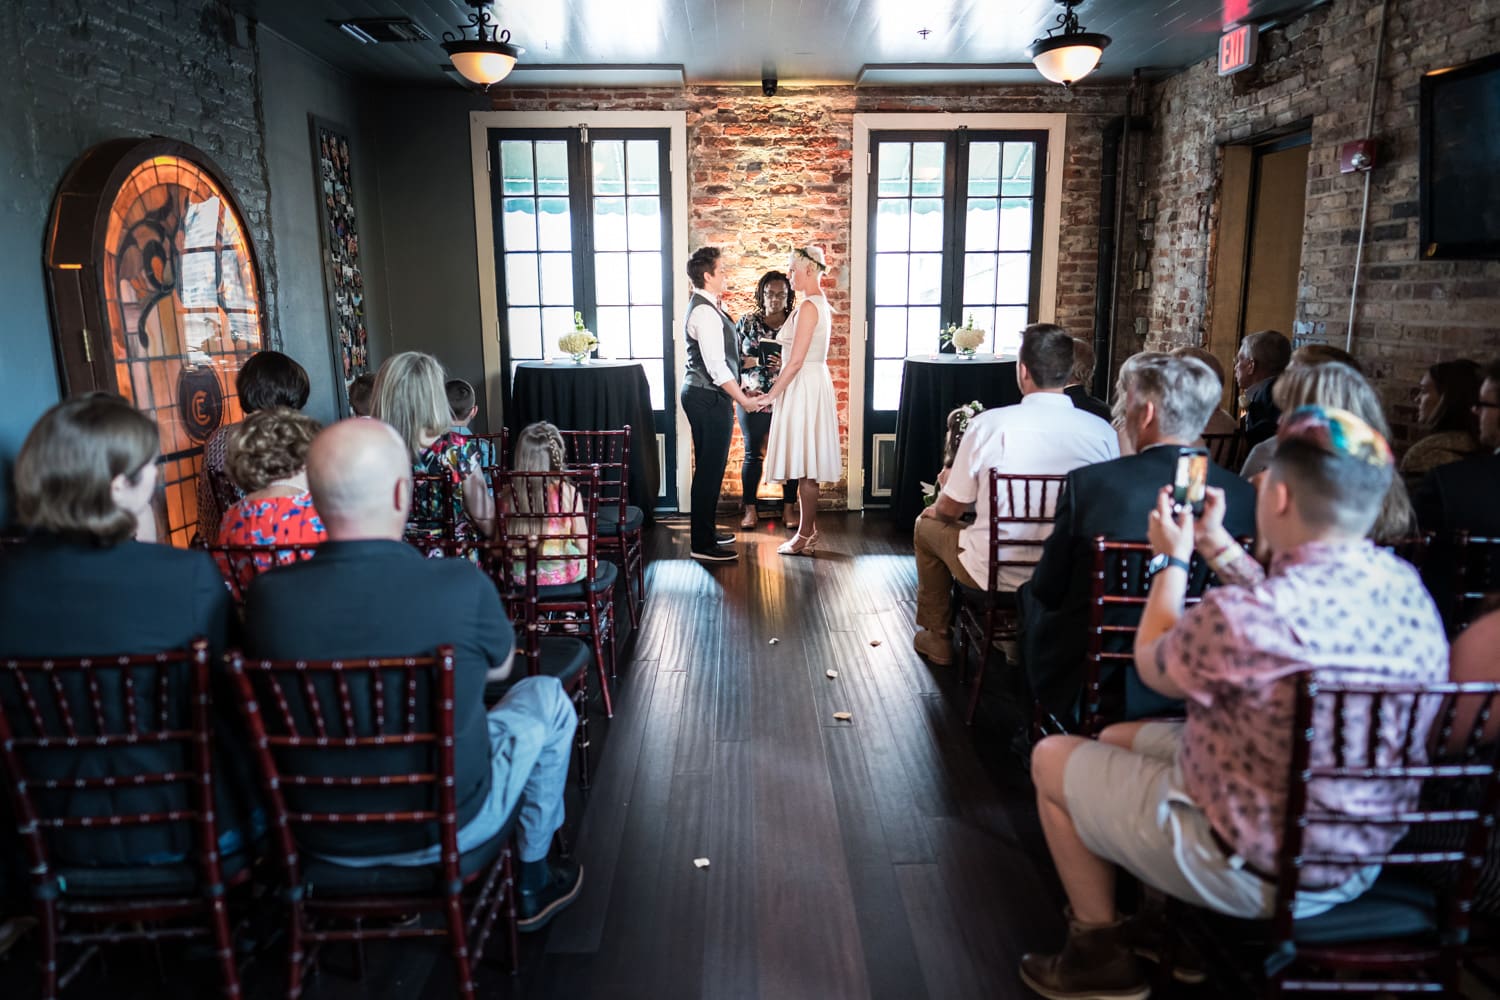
894, 855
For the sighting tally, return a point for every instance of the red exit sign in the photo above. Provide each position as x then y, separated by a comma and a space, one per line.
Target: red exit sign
1237, 49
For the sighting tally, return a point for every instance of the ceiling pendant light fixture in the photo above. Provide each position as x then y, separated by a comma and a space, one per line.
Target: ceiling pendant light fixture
488, 57
1070, 56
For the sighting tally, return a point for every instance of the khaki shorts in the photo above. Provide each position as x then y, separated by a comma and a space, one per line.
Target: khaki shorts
1130, 807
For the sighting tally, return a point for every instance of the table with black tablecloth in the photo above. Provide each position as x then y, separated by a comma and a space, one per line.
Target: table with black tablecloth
932, 386
597, 396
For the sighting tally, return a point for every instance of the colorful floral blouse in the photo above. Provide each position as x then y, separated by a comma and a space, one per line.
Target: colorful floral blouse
276, 521
753, 330
550, 569
455, 457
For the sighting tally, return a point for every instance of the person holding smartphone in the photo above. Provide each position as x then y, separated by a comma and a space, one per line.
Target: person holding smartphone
760, 363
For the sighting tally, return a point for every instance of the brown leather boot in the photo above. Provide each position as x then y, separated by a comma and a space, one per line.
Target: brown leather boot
1096, 963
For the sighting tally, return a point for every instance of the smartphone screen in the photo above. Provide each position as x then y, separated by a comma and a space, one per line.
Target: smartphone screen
1191, 479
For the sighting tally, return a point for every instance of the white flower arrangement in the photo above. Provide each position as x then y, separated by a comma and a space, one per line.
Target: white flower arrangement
580, 342
965, 339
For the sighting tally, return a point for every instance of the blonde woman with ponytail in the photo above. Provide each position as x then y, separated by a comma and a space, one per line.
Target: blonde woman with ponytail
539, 448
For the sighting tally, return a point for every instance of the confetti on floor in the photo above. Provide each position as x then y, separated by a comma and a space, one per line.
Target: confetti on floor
874, 642
831, 674
700, 862
774, 641
843, 716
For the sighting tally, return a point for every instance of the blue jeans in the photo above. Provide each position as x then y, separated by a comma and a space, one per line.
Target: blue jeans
531, 741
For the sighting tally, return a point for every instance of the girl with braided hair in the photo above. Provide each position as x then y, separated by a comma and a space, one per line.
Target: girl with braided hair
539, 448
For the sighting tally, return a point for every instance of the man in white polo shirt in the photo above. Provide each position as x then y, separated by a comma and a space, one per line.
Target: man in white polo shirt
1043, 435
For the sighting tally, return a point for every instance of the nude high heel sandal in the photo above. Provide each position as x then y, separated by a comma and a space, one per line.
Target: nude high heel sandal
799, 544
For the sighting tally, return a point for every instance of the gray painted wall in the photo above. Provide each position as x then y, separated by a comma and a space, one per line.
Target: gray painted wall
102, 71
295, 84
427, 214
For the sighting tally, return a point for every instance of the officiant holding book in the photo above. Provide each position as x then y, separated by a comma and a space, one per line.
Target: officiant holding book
760, 361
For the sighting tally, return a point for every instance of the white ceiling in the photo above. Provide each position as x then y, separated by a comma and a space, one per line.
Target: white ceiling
798, 41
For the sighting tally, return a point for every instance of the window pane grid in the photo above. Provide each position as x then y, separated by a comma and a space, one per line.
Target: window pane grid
998, 209
537, 234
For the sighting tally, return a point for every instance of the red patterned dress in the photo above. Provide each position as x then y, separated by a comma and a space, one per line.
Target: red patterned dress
275, 521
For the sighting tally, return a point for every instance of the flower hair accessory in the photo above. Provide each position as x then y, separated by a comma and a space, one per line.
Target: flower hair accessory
1337, 432
814, 254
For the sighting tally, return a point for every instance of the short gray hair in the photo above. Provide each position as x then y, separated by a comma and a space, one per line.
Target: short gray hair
1184, 390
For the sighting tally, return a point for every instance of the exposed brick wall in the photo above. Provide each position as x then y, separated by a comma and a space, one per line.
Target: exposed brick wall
769, 173
1411, 312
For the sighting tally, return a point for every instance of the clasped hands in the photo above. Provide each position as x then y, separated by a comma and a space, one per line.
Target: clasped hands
756, 401
1177, 532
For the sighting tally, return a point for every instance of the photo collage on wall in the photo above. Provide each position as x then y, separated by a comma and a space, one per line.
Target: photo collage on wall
344, 280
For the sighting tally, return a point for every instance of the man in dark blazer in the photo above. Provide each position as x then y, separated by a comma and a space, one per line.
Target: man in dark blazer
1460, 496
365, 592
1262, 357
1167, 401
1081, 377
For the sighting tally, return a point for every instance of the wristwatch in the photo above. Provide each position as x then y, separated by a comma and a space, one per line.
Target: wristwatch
1160, 562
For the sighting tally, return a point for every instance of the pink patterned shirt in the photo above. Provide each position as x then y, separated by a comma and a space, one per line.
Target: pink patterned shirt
1352, 614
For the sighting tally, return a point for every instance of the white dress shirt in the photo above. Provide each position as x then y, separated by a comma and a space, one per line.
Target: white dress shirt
706, 327
1043, 435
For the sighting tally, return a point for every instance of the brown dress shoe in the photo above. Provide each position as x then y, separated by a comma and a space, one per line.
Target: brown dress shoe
751, 516
935, 646
1096, 963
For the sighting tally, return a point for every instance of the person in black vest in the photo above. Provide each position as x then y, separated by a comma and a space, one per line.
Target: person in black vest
710, 387
1167, 400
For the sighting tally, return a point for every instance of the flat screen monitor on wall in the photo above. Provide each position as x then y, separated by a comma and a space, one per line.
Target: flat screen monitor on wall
1460, 168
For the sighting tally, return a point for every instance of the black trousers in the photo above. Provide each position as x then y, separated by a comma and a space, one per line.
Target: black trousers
711, 416
755, 428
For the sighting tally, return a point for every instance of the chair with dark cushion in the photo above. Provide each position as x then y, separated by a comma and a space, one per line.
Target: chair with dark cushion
1227, 450
116, 750
1476, 579
1409, 932
369, 744
1118, 595
621, 525
984, 617
563, 657
585, 607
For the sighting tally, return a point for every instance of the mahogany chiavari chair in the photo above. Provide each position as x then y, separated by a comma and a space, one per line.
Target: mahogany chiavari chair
240, 564
1409, 932
117, 748
984, 617
564, 657
1227, 450
366, 746
561, 508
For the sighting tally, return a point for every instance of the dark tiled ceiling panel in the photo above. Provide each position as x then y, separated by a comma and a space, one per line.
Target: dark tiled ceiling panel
736, 40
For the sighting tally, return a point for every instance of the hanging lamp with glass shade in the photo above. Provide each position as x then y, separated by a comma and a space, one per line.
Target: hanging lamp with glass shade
1068, 53
488, 57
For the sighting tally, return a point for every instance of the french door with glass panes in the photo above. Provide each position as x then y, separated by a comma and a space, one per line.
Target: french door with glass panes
955, 233
583, 224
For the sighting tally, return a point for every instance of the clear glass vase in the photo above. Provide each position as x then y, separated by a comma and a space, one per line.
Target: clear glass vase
581, 358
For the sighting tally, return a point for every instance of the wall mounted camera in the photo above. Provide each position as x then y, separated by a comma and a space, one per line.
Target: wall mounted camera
768, 86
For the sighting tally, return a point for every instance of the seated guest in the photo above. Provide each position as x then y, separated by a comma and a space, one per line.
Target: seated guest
1335, 384
267, 379
539, 448
1445, 411
268, 459
1220, 421
464, 408
1460, 496
1044, 434
1196, 808
1166, 400
362, 394
1321, 354
367, 593
82, 584
409, 395
1081, 377
1262, 357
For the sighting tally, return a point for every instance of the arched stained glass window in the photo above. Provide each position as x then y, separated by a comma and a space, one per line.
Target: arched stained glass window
156, 296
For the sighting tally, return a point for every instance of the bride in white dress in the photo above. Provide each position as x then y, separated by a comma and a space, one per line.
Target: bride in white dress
803, 444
